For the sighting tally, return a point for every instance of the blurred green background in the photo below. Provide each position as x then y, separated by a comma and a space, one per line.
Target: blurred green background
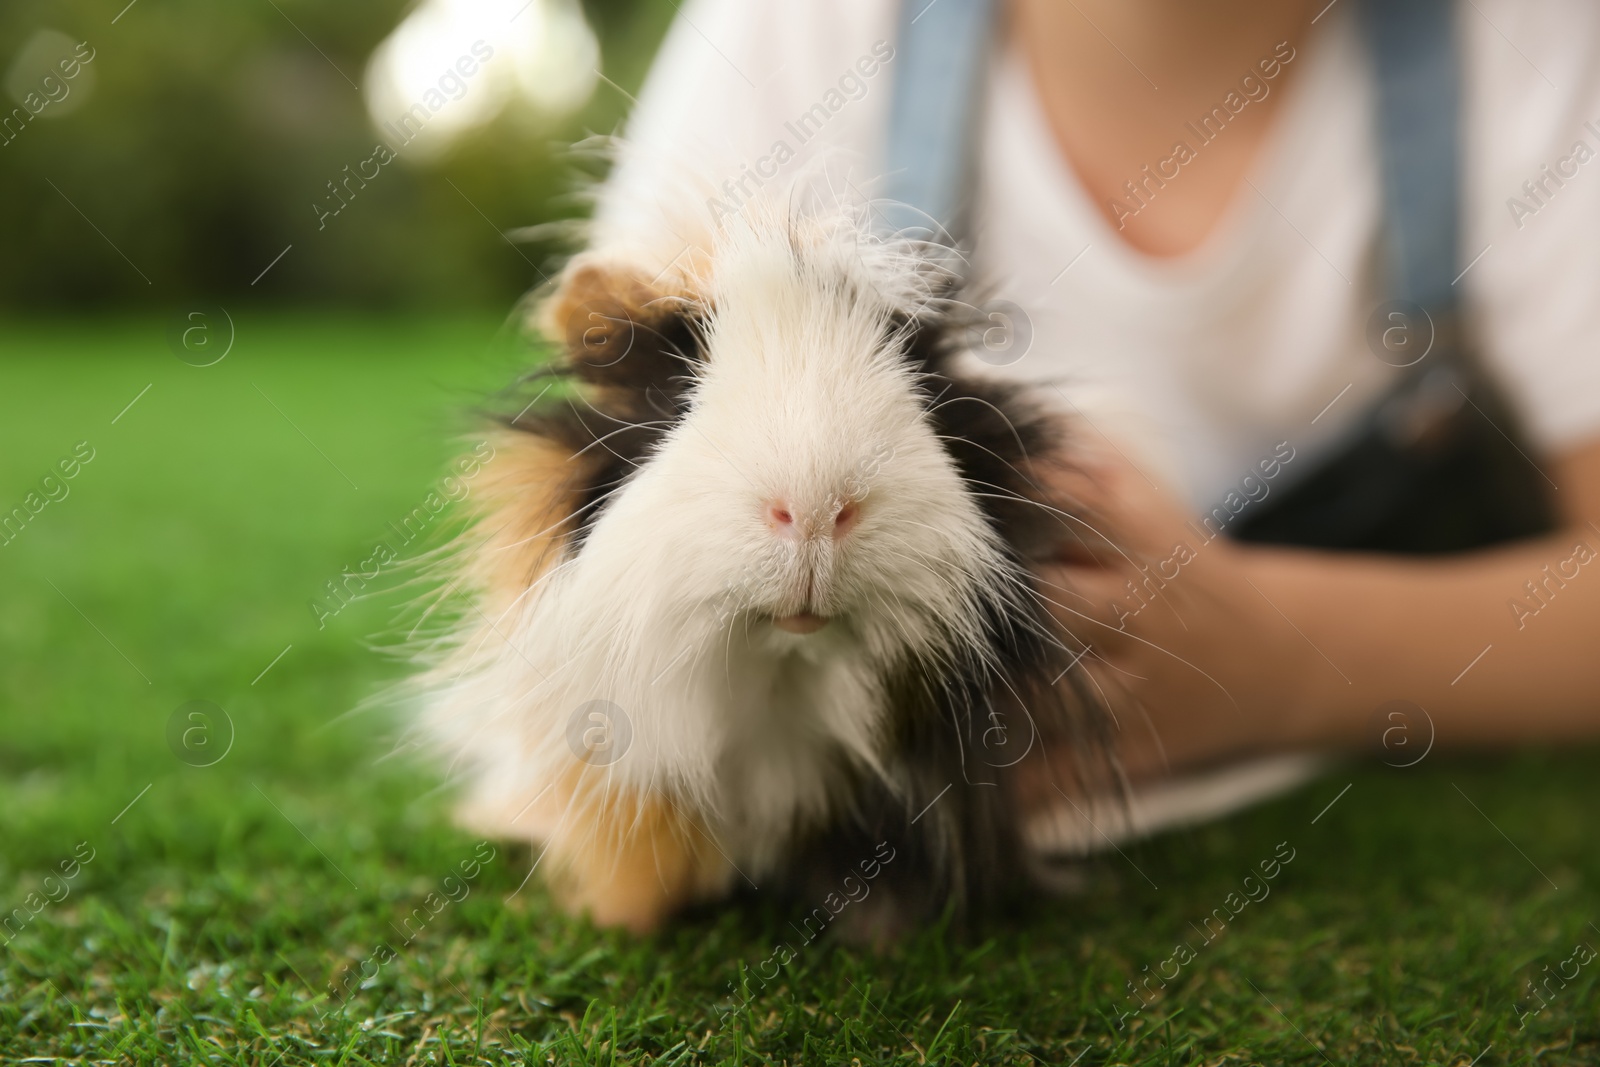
201, 133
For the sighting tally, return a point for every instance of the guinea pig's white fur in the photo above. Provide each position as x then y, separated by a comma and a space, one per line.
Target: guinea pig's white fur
803, 401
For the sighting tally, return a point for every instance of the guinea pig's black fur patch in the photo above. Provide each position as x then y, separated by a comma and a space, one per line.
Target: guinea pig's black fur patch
639, 368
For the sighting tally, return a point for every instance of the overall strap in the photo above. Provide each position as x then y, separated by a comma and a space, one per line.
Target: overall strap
1417, 79
942, 50
1434, 465
942, 53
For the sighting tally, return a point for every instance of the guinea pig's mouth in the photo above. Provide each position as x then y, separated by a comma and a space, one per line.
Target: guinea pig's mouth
803, 622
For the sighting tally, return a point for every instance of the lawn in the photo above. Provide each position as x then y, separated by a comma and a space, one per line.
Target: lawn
303, 898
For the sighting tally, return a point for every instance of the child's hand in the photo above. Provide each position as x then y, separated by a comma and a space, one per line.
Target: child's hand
1194, 661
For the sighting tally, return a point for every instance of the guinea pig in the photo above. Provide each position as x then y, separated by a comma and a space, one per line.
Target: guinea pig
751, 604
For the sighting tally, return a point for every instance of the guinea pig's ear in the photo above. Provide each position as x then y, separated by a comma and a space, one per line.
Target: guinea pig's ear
617, 327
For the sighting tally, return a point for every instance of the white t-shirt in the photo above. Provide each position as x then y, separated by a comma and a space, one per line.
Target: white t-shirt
1222, 353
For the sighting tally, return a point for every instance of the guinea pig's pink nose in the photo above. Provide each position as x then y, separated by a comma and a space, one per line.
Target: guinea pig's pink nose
788, 521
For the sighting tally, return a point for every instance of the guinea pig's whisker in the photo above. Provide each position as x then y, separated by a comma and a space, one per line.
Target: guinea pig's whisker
930, 568
1164, 651
538, 535
671, 345
1054, 511
1067, 515
601, 442
1019, 471
932, 402
1067, 589
1010, 425
622, 423
438, 601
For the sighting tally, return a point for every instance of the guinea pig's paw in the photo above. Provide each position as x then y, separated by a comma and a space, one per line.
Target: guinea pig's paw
635, 864
636, 901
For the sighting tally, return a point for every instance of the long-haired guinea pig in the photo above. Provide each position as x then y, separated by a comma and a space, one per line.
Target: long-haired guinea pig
752, 605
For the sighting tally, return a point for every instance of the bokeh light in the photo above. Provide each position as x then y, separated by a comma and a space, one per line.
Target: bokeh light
453, 66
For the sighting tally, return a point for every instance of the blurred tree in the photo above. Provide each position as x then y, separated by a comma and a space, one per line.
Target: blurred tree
209, 132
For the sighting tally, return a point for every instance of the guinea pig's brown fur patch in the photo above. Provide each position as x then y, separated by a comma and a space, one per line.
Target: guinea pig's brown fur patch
626, 348
527, 504
622, 858
609, 320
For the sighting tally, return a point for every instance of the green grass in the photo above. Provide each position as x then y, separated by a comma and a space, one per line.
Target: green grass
218, 910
